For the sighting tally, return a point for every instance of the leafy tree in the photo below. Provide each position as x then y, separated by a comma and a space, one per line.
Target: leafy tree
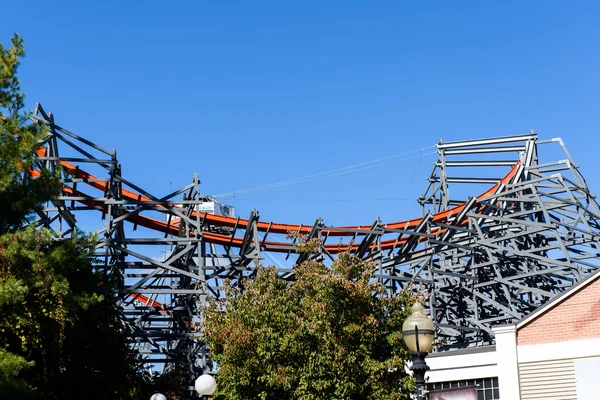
60, 335
332, 333
20, 193
11, 385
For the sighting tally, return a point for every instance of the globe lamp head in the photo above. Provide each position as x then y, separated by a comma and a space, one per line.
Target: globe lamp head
205, 385
418, 331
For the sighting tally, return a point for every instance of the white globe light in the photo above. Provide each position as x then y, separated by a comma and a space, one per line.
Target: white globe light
158, 396
205, 385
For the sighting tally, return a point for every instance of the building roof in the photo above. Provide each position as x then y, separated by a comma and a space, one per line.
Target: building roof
556, 300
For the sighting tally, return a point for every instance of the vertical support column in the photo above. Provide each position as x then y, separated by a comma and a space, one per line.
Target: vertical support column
444, 190
320, 255
379, 252
256, 254
508, 362
114, 258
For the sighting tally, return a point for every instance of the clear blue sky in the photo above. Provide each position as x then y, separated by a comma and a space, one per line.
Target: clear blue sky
250, 93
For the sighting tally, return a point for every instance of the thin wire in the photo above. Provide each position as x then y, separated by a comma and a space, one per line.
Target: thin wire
328, 200
413, 174
273, 186
257, 196
330, 173
308, 179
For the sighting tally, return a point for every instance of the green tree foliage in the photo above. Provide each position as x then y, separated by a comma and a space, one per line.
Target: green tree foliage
11, 384
55, 316
330, 334
60, 335
20, 193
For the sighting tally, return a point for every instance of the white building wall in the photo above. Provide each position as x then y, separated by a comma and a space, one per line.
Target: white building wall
506, 353
550, 370
540, 371
462, 365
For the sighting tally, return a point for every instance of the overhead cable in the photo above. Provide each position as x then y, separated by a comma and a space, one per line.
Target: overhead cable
330, 173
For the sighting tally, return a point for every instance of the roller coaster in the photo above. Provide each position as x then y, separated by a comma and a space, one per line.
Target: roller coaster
484, 260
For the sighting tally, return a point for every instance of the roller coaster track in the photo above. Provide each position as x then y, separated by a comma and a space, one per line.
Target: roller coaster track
484, 260
268, 227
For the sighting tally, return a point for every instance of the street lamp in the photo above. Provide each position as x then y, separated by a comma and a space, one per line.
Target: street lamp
205, 385
418, 333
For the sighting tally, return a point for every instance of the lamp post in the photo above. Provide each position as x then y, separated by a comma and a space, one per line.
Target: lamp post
205, 385
418, 333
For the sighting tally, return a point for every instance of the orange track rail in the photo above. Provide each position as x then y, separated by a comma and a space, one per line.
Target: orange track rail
223, 221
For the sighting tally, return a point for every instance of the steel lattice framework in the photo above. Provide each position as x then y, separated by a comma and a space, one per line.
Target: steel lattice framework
484, 260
